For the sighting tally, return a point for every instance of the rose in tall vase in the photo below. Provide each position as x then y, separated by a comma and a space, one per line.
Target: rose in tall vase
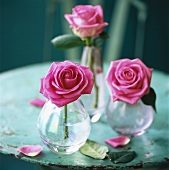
87, 23
63, 123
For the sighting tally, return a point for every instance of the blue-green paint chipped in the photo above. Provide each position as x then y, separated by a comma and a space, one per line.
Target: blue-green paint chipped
18, 125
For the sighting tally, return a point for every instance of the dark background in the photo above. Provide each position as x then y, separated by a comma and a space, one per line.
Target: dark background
22, 33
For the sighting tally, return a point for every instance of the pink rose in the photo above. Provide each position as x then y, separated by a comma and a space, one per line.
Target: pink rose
86, 20
128, 80
65, 82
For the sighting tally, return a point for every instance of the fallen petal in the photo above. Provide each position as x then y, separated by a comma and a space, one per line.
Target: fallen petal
38, 102
147, 155
30, 150
118, 141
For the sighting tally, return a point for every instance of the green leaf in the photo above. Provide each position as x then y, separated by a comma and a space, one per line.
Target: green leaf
67, 41
104, 35
98, 41
122, 157
150, 98
94, 150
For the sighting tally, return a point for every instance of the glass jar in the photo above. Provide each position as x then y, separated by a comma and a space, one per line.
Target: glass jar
129, 119
64, 133
94, 102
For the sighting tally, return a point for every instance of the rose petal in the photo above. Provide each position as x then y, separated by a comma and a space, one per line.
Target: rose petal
118, 141
30, 150
38, 102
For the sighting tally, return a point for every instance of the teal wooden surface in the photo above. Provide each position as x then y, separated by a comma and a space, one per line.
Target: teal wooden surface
18, 125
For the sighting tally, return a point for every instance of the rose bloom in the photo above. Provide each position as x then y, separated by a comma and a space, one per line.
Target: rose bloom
86, 20
128, 80
65, 82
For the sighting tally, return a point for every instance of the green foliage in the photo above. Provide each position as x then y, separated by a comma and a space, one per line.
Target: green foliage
97, 151
150, 98
98, 41
122, 157
94, 150
67, 41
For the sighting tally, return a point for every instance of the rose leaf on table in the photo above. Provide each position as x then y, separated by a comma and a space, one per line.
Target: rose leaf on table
37, 102
94, 150
118, 141
30, 150
122, 157
98, 151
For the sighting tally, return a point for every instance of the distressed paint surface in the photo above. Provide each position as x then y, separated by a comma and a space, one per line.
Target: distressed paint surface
18, 125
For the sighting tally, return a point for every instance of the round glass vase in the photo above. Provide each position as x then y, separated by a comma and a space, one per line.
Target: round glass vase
64, 130
129, 119
94, 102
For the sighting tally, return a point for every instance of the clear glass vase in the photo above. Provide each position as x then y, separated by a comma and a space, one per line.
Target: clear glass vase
94, 102
129, 119
64, 134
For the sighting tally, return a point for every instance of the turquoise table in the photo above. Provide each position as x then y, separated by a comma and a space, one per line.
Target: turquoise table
18, 126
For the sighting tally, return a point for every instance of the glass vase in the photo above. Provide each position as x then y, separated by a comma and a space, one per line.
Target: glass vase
64, 133
129, 119
94, 102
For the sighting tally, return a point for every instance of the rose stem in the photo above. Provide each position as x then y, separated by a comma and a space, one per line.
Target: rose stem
65, 123
90, 64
